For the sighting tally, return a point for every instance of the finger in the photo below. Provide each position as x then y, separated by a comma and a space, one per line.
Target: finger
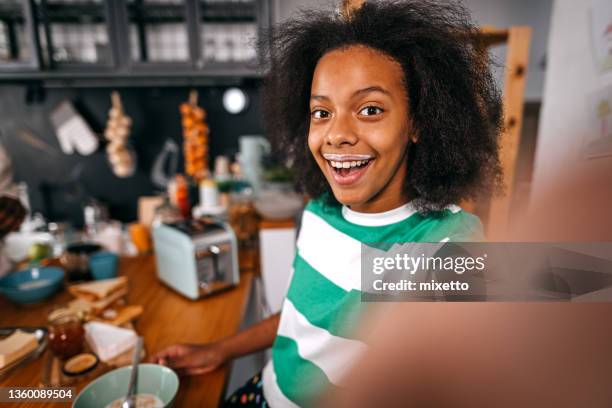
200, 370
179, 362
167, 353
153, 359
189, 371
174, 359
161, 358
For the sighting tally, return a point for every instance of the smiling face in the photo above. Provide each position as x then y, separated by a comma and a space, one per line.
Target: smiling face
359, 127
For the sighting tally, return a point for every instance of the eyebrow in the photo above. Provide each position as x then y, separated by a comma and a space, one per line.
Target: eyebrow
367, 90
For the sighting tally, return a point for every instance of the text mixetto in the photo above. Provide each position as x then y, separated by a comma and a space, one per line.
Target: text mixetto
407, 285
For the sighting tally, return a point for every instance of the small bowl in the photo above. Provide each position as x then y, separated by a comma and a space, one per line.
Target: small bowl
32, 285
152, 379
103, 265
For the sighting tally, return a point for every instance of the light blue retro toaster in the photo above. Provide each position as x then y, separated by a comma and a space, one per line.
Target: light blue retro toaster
196, 257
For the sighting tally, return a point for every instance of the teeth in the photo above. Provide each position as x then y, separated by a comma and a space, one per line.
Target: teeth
347, 164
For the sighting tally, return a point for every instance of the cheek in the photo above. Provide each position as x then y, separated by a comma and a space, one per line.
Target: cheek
315, 141
390, 147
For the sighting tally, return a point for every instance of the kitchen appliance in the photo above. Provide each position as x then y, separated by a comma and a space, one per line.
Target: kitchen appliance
196, 257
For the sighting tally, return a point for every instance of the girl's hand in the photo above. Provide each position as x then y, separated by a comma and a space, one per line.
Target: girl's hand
192, 359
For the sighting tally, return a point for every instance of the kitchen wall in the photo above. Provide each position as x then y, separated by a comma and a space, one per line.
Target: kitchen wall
532, 13
498, 13
563, 171
27, 134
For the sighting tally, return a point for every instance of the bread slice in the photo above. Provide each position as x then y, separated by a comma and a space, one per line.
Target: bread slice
16, 346
90, 308
99, 290
120, 315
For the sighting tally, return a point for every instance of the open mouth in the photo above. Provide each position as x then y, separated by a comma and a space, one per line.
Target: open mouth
347, 169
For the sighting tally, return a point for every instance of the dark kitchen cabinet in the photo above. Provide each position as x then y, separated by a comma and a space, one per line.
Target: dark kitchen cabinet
203, 36
155, 33
75, 34
18, 42
131, 39
228, 31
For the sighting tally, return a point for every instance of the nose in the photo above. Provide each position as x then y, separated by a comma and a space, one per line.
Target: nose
341, 132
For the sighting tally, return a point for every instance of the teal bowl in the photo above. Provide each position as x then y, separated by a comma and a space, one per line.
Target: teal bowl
103, 265
32, 285
152, 379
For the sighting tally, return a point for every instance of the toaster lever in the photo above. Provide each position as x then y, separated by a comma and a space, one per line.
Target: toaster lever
215, 251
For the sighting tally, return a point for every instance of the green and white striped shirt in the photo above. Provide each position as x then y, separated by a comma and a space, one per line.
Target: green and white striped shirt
317, 340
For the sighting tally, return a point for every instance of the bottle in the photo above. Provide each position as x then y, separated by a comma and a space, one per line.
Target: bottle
179, 195
209, 194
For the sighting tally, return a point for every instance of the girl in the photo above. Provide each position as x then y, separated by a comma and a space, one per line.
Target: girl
390, 117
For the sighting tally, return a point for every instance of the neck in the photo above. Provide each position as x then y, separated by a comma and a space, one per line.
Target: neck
382, 205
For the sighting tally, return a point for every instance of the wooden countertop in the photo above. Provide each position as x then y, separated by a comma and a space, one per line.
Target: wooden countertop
167, 318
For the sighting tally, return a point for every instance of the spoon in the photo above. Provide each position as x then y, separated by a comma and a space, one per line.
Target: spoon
130, 401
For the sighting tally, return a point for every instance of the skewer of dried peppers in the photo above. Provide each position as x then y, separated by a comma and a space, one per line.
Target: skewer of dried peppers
195, 138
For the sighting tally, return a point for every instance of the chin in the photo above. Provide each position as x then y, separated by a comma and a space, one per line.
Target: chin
349, 198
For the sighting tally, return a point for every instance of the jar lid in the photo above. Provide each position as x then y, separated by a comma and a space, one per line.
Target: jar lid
61, 313
80, 364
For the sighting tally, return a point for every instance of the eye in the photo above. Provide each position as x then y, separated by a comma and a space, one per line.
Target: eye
320, 114
371, 111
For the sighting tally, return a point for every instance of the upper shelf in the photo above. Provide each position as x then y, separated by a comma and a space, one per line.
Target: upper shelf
128, 47
11, 12
91, 12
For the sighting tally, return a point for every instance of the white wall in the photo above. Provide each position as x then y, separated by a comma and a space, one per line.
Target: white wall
499, 13
572, 76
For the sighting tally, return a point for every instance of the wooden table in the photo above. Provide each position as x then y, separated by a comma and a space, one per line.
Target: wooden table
168, 318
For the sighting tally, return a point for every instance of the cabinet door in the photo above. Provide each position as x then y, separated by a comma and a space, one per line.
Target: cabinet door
156, 34
75, 33
18, 49
228, 31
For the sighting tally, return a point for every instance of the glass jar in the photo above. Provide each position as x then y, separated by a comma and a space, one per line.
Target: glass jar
66, 334
243, 217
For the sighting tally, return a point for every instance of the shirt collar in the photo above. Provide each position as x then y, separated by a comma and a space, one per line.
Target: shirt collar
379, 219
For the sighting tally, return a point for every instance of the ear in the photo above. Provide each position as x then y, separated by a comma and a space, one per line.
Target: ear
413, 134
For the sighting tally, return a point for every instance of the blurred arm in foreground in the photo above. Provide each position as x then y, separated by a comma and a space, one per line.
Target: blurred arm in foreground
499, 354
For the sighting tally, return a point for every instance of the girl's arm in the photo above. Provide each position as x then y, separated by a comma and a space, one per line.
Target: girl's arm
258, 337
193, 359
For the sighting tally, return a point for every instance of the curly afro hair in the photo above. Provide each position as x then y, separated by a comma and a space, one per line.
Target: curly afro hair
454, 104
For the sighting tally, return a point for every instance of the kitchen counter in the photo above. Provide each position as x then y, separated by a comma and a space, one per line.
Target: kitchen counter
167, 318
